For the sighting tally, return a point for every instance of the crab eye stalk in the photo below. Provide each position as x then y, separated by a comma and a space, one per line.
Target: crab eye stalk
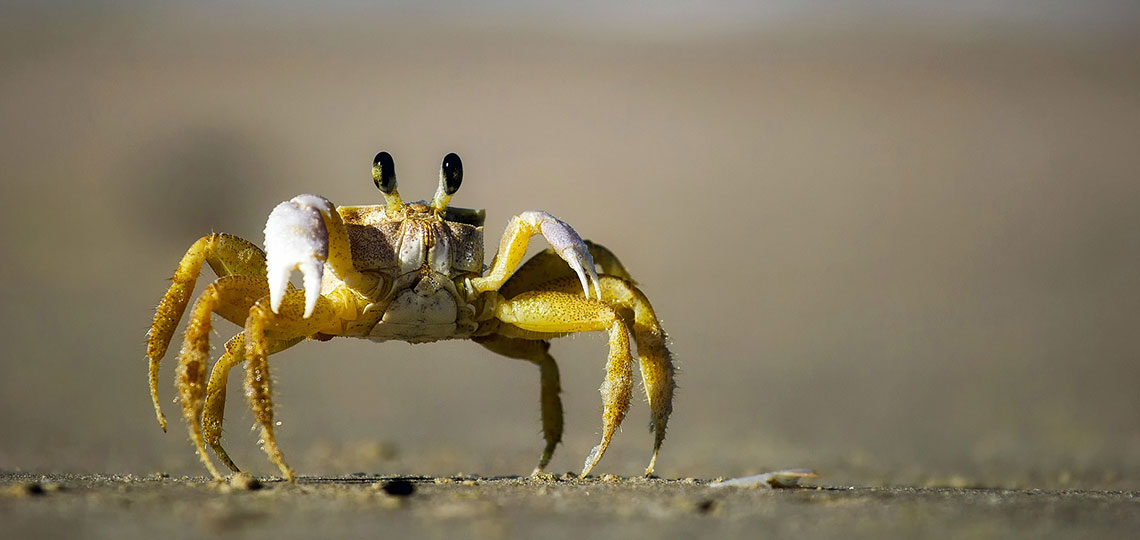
451, 173
450, 177
384, 172
384, 175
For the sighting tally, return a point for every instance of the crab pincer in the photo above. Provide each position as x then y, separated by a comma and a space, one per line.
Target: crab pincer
296, 239
568, 245
565, 241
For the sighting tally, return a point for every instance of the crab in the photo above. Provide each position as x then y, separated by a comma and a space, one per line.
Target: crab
412, 272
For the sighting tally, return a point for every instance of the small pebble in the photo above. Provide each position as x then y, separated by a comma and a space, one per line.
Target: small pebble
398, 488
26, 489
543, 477
245, 482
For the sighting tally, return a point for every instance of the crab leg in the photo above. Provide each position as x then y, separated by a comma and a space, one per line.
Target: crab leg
654, 359
619, 291
227, 255
538, 353
558, 312
562, 238
224, 295
287, 323
212, 415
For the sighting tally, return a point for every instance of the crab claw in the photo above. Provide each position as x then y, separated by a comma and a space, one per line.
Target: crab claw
568, 245
296, 239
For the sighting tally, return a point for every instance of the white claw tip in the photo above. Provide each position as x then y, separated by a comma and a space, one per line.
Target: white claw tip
311, 270
582, 279
296, 239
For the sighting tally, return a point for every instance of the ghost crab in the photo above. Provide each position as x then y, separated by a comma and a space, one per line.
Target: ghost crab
410, 272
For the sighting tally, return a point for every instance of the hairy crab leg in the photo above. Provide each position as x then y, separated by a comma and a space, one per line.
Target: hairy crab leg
221, 296
215, 408
561, 237
227, 255
287, 323
538, 353
654, 358
558, 312
546, 271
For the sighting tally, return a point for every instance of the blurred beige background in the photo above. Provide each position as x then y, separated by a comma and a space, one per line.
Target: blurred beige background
895, 242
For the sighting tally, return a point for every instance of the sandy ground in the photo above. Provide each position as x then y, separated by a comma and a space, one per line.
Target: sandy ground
897, 247
359, 505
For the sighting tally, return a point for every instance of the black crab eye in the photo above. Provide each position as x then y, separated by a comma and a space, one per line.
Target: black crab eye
452, 172
384, 172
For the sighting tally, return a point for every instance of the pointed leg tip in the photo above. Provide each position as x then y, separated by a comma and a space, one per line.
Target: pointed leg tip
540, 469
222, 455
593, 459
287, 472
214, 473
217, 476
652, 465
158, 414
